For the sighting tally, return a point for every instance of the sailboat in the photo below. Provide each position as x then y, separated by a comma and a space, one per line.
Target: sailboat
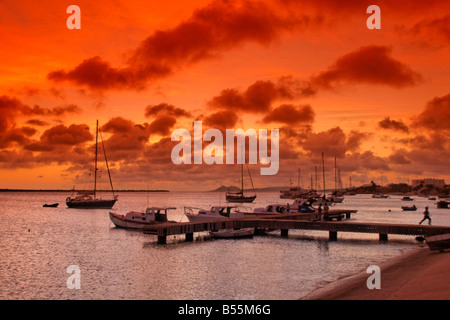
239, 196
88, 199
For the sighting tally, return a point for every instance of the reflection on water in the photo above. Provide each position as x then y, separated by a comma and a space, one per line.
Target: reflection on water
38, 244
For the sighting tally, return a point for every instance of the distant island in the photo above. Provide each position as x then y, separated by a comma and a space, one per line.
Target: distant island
71, 190
236, 189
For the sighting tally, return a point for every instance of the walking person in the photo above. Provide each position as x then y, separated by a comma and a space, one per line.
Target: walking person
426, 215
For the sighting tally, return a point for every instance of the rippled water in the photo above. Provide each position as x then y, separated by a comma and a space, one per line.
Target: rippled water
38, 244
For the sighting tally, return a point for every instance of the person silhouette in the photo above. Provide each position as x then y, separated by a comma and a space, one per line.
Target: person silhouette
426, 216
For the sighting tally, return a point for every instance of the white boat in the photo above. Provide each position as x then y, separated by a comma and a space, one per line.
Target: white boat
380, 196
299, 205
233, 233
214, 213
138, 220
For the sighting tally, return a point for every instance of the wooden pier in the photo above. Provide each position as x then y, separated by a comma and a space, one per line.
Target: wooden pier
294, 221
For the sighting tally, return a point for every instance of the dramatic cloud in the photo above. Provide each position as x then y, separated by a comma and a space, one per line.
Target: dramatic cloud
333, 142
371, 65
290, 114
61, 135
11, 108
436, 115
165, 109
395, 125
219, 26
162, 125
98, 74
225, 119
259, 96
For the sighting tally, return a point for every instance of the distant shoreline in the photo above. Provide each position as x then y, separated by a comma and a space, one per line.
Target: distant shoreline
71, 190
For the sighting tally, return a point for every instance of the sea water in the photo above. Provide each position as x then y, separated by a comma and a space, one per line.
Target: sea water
38, 244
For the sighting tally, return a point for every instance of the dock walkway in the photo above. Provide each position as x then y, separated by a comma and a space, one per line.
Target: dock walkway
294, 221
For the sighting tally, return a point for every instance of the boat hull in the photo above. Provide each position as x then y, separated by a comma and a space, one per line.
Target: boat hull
121, 222
438, 242
233, 234
91, 204
240, 199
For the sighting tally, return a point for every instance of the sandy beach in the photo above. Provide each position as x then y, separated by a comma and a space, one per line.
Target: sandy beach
420, 274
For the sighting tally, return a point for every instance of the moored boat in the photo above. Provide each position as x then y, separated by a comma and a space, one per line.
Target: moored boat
240, 197
299, 205
380, 196
438, 242
89, 199
214, 213
138, 220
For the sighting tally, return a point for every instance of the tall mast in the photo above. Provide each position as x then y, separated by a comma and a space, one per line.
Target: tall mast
323, 173
242, 178
335, 175
95, 167
106, 162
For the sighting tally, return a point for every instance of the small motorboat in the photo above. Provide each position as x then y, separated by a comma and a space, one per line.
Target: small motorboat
53, 205
407, 208
233, 233
138, 220
214, 213
298, 206
438, 242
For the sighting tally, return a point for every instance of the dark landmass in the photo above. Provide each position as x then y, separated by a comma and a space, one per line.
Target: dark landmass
71, 190
236, 189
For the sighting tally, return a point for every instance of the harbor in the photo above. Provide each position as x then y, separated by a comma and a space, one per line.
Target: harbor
118, 263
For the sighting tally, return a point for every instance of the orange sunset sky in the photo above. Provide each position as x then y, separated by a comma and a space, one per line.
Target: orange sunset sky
377, 100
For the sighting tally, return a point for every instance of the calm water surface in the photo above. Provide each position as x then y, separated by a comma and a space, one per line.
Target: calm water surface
38, 244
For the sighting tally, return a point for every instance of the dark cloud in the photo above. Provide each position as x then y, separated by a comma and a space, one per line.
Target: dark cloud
396, 125
436, 115
371, 65
98, 74
220, 25
162, 125
334, 142
222, 120
259, 96
165, 109
290, 114
61, 135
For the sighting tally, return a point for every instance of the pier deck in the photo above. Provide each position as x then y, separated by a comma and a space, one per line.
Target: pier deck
286, 222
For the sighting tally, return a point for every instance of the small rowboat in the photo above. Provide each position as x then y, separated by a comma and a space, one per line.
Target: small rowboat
53, 205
